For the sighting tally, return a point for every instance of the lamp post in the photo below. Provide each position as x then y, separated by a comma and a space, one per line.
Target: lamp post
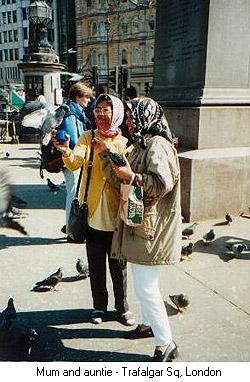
107, 25
40, 66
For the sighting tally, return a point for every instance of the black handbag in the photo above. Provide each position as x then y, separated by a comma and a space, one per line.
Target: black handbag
78, 217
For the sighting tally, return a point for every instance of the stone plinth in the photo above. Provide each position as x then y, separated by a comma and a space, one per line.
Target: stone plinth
46, 73
214, 182
202, 127
201, 78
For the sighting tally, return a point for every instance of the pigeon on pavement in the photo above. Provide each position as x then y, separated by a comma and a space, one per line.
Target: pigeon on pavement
209, 237
237, 248
181, 301
52, 186
49, 282
28, 339
186, 251
82, 268
189, 230
8, 314
229, 218
5, 205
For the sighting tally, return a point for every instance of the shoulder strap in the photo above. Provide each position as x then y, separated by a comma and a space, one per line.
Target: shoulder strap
90, 165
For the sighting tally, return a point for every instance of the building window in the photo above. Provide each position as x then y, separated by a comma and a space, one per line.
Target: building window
94, 58
102, 29
15, 35
9, 17
14, 16
6, 55
11, 55
8, 1
3, 2
89, 3
94, 29
151, 24
124, 57
135, 56
135, 26
16, 54
25, 33
5, 37
124, 27
102, 60
24, 13
10, 36
0, 38
4, 18
1, 55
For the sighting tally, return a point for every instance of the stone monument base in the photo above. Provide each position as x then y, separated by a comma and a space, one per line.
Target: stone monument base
214, 182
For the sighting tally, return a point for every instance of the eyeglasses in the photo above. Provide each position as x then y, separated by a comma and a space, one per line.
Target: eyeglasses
104, 111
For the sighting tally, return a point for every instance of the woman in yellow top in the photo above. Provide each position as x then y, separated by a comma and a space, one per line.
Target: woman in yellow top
103, 203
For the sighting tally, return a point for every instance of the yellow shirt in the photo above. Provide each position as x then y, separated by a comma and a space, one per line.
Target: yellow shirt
103, 198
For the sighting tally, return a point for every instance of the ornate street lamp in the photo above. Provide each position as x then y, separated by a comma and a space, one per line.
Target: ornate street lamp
39, 15
40, 66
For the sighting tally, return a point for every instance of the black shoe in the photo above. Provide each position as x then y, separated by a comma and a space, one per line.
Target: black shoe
126, 318
97, 316
170, 353
139, 333
63, 229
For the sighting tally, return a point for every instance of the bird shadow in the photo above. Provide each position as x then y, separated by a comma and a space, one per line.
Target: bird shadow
47, 199
218, 248
245, 216
70, 279
221, 224
10, 241
52, 339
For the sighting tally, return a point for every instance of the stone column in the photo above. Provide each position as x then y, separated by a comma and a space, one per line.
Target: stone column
201, 78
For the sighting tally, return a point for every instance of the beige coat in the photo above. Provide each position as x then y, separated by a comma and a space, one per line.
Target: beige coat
158, 239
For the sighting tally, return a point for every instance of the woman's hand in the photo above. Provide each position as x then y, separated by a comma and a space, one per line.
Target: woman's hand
62, 146
99, 145
124, 172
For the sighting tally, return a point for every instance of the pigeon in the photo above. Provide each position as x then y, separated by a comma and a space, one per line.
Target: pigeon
28, 339
8, 314
229, 218
181, 301
5, 205
52, 186
189, 230
237, 248
17, 202
15, 213
49, 282
186, 250
45, 120
209, 237
82, 268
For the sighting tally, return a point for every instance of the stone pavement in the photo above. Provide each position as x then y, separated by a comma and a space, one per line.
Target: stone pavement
215, 326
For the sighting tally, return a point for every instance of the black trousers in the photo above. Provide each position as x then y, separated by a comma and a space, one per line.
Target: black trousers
98, 245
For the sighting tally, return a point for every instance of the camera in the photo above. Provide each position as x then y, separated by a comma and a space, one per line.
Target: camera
117, 159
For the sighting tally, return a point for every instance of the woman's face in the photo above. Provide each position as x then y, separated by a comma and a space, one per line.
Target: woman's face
129, 122
103, 115
83, 101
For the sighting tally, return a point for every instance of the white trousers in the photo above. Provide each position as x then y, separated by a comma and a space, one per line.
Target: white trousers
154, 314
71, 178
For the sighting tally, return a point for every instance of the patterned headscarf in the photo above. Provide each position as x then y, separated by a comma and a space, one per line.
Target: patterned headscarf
148, 118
